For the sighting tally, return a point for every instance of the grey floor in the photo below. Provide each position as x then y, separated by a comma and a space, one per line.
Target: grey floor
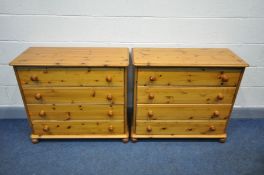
242, 154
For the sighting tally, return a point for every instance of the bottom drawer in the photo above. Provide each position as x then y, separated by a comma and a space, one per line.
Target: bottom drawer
82, 128
182, 127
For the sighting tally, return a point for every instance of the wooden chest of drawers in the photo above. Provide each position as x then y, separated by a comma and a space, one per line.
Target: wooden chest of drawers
74, 92
184, 93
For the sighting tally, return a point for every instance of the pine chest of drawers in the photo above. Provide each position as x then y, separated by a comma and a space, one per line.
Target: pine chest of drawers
74, 92
184, 93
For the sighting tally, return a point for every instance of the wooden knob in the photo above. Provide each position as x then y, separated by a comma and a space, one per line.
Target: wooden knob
151, 96
220, 96
149, 129
109, 97
224, 78
34, 78
46, 128
152, 78
150, 114
212, 128
42, 113
109, 79
216, 113
110, 128
38, 96
110, 113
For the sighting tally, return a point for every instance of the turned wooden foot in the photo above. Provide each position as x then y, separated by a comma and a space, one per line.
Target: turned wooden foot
34, 141
125, 140
134, 140
222, 140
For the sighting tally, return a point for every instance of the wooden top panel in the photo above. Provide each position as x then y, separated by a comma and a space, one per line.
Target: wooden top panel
189, 57
66, 56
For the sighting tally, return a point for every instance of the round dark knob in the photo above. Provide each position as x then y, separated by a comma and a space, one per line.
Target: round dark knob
151, 96
152, 78
46, 128
224, 78
110, 113
149, 129
34, 78
150, 114
212, 128
38, 96
42, 113
109, 79
110, 128
220, 96
216, 113
109, 97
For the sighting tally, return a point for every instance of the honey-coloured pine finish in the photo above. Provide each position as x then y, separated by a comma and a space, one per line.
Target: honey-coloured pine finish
184, 92
74, 92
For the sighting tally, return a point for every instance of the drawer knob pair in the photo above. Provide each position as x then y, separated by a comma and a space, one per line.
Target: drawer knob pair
152, 78
108, 79
223, 77
46, 128
220, 96
38, 96
111, 128
42, 113
34, 78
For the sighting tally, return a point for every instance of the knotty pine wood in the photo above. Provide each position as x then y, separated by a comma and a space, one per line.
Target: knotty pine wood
186, 57
73, 56
66, 112
188, 76
183, 111
74, 95
185, 95
46, 76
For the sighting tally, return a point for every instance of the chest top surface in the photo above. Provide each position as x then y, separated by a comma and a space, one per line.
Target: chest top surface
79, 57
186, 57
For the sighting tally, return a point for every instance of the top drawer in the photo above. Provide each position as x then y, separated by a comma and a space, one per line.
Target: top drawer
188, 76
43, 76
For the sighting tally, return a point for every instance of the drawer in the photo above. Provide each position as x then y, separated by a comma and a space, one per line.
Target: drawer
180, 127
74, 127
66, 112
188, 76
71, 76
186, 95
89, 95
182, 112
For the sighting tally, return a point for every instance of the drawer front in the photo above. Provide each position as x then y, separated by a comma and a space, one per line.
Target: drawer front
89, 95
180, 127
71, 76
85, 127
75, 112
188, 77
196, 95
182, 112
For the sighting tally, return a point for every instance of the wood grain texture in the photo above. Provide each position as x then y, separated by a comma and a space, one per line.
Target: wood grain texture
46, 76
182, 112
188, 76
71, 95
67, 56
186, 95
78, 127
206, 127
186, 57
68, 112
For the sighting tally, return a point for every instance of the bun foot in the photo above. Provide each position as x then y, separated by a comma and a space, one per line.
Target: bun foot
34, 141
134, 140
125, 140
222, 140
